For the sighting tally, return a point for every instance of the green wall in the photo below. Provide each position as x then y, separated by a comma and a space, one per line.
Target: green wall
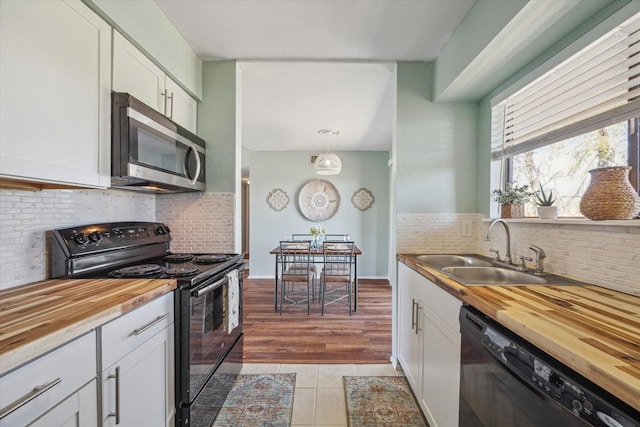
217, 124
436, 147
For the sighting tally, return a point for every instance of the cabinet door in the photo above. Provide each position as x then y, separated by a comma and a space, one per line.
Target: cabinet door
55, 80
410, 335
139, 389
136, 74
181, 107
77, 410
441, 372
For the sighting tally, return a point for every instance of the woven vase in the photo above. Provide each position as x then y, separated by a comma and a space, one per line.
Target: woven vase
610, 195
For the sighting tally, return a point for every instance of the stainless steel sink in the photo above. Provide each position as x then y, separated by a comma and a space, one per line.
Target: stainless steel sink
492, 276
440, 261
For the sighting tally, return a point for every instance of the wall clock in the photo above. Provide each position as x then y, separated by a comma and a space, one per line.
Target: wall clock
318, 200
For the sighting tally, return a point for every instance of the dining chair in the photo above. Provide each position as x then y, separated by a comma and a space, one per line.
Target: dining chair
336, 237
313, 267
295, 257
336, 278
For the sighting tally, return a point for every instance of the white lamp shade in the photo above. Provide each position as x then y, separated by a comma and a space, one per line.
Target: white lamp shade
327, 164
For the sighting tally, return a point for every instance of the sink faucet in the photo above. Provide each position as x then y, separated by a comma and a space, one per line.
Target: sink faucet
540, 256
507, 257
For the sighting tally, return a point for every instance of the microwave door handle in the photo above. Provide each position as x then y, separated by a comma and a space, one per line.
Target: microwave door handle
193, 151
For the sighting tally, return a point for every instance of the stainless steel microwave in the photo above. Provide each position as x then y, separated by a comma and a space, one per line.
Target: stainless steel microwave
150, 153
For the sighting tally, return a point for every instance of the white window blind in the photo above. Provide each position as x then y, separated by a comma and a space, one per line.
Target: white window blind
597, 87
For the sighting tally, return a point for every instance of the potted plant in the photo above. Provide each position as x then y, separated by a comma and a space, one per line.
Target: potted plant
546, 209
512, 199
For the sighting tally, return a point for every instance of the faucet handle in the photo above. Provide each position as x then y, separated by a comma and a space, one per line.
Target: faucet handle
538, 250
496, 254
522, 265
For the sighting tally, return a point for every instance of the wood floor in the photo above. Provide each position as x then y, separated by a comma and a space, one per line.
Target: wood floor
336, 337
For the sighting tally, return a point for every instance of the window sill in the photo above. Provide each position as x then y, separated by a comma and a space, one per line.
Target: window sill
572, 221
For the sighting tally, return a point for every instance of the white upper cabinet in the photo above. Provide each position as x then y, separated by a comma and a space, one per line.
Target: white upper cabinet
55, 81
136, 74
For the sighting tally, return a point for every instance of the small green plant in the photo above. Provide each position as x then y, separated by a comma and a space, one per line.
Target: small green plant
513, 194
543, 199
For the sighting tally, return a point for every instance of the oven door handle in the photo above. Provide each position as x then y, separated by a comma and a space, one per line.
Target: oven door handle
200, 292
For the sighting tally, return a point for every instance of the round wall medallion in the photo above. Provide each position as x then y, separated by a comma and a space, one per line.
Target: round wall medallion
277, 199
318, 200
362, 199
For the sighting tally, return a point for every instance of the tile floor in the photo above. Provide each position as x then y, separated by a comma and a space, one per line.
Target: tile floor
319, 396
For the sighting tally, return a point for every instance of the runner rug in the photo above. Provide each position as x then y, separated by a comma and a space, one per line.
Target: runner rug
381, 401
264, 400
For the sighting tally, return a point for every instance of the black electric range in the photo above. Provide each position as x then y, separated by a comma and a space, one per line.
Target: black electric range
207, 301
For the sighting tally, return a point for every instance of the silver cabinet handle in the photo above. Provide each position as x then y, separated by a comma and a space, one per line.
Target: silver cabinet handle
170, 98
149, 325
418, 308
116, 414
163, 94
37, 391
413, 313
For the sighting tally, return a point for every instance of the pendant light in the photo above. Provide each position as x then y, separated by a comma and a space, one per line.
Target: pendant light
328, 163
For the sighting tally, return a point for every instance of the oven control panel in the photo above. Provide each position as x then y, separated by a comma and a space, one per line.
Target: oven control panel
89, 239
552, 381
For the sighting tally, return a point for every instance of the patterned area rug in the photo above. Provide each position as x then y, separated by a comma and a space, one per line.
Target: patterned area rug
258, 400
381, 401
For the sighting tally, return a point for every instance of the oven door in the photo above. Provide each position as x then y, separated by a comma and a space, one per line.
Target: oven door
210, 323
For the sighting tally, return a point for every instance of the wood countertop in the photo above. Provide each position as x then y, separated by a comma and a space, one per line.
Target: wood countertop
593, 330
41, 316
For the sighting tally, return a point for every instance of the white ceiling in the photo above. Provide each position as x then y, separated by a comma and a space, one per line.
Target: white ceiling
326, 30
317, 64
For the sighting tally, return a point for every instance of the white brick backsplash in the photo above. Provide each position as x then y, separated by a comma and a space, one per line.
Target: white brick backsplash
436, 233
26, 217
600, 254
605, 255
199, 222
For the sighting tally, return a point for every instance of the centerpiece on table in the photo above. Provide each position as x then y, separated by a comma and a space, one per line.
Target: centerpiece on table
512, 199
317, 231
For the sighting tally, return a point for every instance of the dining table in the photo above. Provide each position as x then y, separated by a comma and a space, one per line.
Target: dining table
317, 257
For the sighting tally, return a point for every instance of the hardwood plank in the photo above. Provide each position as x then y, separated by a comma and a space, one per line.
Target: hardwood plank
336, 337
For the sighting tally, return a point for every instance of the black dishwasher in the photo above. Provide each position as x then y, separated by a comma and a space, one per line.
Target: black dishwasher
506, 381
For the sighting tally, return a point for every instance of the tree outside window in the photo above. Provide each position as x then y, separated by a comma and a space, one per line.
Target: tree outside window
564, 167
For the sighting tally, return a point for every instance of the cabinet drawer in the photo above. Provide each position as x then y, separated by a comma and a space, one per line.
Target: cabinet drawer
443, 304
124, 334
47, 380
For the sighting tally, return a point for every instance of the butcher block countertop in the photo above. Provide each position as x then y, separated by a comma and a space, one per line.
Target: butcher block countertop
593, 330
41, 316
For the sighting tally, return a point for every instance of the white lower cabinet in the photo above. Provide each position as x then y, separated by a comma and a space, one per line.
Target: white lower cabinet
56, 389
77, 410
137, 374
429, 345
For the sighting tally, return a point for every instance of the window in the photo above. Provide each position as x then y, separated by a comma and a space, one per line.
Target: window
581, 115
563, 167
